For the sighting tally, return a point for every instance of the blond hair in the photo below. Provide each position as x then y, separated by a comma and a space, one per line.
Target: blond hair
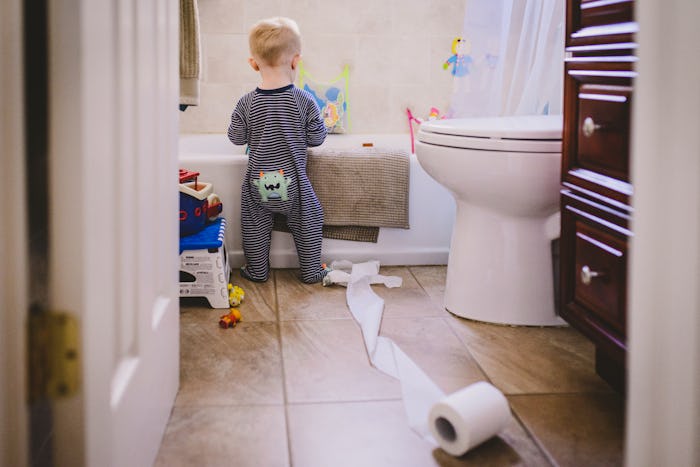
275, 40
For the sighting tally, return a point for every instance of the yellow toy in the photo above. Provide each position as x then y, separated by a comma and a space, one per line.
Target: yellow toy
235, 295
230, 319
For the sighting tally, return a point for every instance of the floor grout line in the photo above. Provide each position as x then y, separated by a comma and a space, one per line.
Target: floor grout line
468, 350
534, 438
285, 398
347, 401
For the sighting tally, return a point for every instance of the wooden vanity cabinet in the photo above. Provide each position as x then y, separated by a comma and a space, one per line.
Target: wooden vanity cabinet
596, 187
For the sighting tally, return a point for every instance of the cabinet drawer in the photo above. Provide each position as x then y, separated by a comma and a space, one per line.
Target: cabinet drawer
600, 282
604, 12
603, 127
591, 20
594, 242
597, 114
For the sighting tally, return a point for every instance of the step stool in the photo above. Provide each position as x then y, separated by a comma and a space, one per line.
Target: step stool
204, 268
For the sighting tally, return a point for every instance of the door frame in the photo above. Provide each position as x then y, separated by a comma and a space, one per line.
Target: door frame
663, 404
13, 244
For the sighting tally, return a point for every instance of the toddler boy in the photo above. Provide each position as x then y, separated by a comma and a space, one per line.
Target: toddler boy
278, 121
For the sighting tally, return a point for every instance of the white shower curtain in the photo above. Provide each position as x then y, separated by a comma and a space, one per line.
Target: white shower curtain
514, 62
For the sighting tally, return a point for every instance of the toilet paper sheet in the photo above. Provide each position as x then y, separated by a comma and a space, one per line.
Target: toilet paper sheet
457, 422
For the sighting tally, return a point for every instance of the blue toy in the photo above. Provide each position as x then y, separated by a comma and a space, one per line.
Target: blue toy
460, 61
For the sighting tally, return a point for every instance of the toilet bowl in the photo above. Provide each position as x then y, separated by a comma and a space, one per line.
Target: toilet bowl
504, 174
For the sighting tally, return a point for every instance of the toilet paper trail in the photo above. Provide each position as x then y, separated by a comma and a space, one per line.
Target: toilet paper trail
466, 418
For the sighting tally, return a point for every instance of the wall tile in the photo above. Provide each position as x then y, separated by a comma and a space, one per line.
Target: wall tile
394, 48
325, 55
368, 108
408, 16
410, 59
305, 13
227, 59
420, 99
214, 112
254, 11
222, 16
446, 16
372, 17
374, 64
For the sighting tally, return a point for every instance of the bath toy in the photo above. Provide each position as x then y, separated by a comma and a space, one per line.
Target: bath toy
330, 114
188, 176
434, 115
459, 60
194, 206
332, 106
330, 97
214, 206
198, 204
235, 295
230, 319
412, 119
272, 185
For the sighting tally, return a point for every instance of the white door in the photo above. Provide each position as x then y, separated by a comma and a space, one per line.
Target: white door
113, 252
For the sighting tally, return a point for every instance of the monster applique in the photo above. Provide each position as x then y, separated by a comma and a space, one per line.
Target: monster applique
273, 185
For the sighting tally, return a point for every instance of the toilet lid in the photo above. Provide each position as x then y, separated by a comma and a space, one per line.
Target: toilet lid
527, 133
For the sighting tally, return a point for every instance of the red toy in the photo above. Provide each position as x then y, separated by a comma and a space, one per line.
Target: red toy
188, 176
230, 319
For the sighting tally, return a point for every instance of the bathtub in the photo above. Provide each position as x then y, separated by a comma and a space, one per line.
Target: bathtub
431, 207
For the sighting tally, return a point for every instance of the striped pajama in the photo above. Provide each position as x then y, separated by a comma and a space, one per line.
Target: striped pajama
278, 125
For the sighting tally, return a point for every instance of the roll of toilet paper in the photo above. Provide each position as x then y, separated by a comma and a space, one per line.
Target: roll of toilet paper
469, 417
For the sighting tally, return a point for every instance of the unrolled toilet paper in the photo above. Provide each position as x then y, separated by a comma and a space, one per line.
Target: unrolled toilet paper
457, 422
469, 417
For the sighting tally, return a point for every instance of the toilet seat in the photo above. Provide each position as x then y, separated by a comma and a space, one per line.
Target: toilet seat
522, 134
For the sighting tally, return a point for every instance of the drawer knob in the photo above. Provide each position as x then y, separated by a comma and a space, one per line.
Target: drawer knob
587, 275
589, 127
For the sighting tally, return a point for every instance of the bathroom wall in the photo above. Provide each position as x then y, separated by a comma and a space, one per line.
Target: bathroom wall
394, 48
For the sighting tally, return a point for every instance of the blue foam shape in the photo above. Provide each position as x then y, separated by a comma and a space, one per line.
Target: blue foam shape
211, 236
332, 94
318, 100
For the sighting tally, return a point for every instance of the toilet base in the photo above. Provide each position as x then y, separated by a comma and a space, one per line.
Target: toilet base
500, 269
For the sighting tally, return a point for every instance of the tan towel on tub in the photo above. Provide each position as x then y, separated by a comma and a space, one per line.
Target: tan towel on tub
189, 53
360, 190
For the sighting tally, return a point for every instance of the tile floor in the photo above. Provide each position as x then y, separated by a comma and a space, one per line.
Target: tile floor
291, 385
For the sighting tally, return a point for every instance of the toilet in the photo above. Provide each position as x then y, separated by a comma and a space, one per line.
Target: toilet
504, 174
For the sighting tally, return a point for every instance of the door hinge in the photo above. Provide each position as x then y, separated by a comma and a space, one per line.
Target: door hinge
54, 356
